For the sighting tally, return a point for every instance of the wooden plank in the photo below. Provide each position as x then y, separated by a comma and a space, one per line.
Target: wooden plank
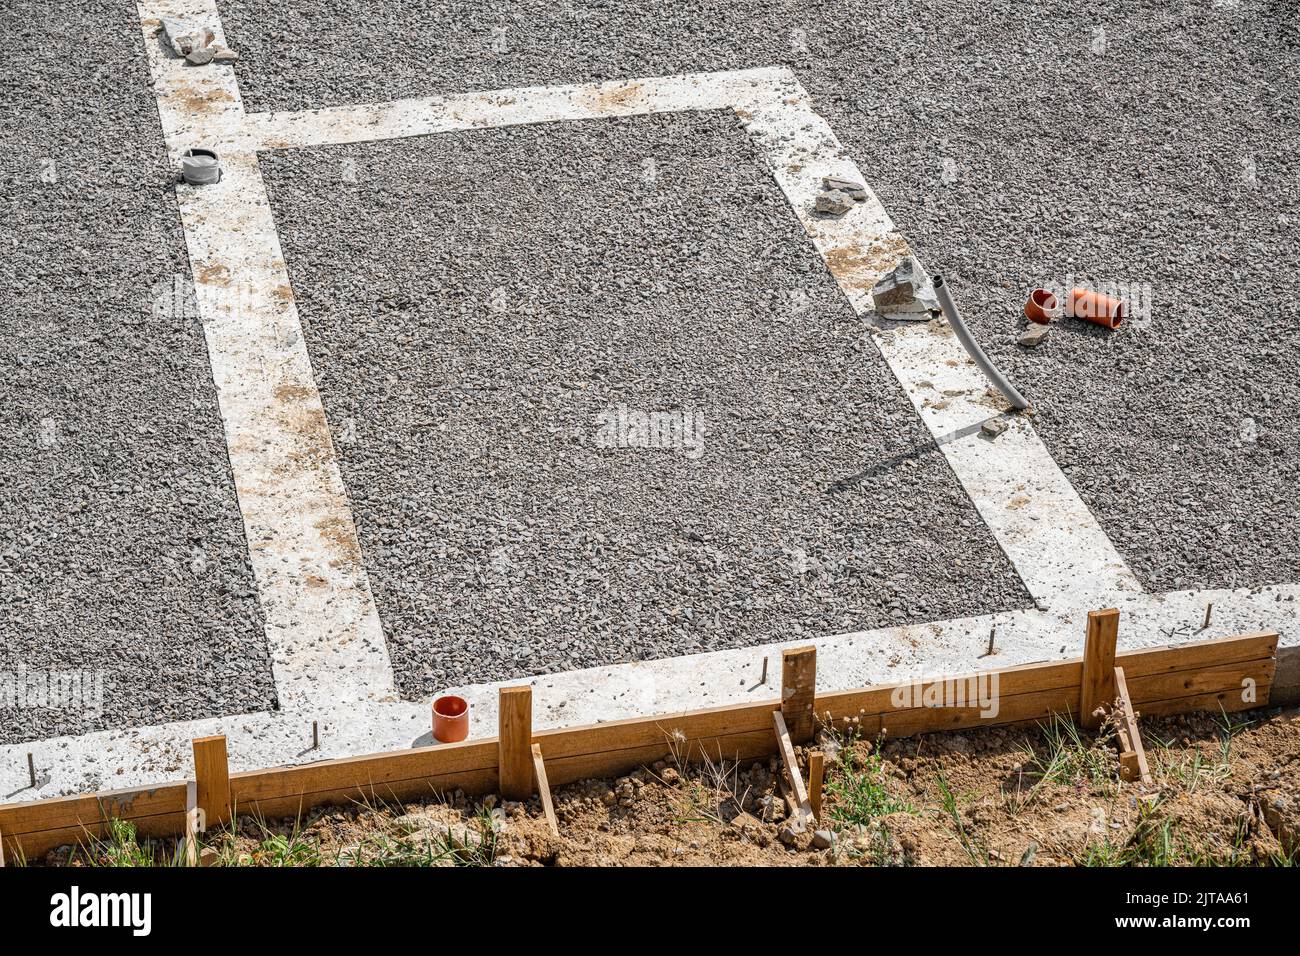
785, 747
1097, 685
544, 790
728, 747
193, 824
1201, 680
1131, 736
644, 731
1225, 701
2, 848
371, 771
91, 809
799, 692
1180, 657
515, 741
394, 793
212, 779
36, 844
1129, 768
1026, 679
1015, 709
816, 777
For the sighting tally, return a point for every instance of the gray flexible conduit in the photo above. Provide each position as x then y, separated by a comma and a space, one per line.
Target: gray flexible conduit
968, 342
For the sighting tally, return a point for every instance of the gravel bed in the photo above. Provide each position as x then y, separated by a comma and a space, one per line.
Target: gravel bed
1139, 142
473, 302
122, 550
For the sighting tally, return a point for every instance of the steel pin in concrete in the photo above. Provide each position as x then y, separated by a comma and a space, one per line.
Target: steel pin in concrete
315, 735
31, 769
1208, 609
763, 679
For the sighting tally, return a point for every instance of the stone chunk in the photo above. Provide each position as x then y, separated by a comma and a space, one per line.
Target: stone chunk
907, 290
834, 203
1034, 336
184, 38
855, 190
993, 427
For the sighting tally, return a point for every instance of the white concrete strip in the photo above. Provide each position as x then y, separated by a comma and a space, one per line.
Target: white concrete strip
322, 626
152, 755
525, 105
1051, 538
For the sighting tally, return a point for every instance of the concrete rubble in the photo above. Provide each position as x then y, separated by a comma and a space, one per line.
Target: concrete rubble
906, 292
196, 43
840, 196
993, 427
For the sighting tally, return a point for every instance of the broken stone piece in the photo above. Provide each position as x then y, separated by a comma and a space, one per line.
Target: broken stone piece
993, 427
222, 55
906, 291
200, 57
184, 38
834, 203
1034, 336
856, 191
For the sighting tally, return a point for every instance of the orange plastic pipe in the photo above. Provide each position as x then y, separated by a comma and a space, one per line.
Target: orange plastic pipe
450, 719
1094, 307
1041, 307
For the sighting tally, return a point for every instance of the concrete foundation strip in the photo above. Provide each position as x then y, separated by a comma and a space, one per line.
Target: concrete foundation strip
330, 660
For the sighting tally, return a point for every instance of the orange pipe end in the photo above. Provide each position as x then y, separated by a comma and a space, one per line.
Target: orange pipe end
450, 719
1094, 307
1041, 307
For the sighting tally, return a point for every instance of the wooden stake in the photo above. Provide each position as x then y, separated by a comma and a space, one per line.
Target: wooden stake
816, 773
1098, 686
193, 823
2, 849
786, 749
798, 691
515, 741
544, 790
1133, 756
212, 780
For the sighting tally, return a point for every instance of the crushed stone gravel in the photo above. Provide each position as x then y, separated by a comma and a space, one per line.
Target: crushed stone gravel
474, 303
1144, 143
122, 551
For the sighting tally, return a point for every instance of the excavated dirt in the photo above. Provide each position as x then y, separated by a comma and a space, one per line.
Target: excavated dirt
1224, 791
